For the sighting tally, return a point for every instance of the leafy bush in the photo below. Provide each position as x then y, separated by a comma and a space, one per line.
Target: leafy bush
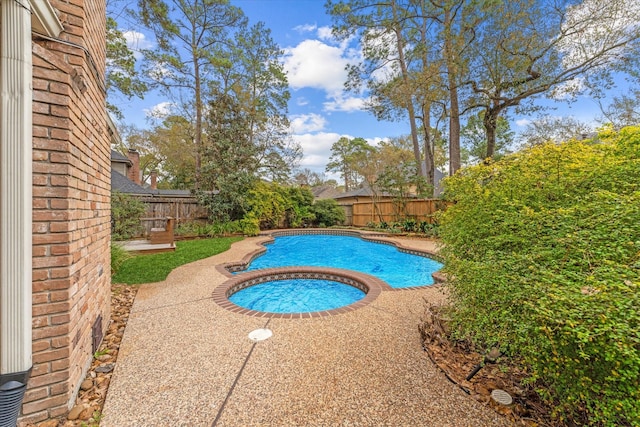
126, 212
299, 211
543, 251
328, 213
245, 226
274, 205
192, 228
249, 226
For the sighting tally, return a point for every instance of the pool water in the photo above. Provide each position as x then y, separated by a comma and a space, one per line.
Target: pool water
296, 296
398, 269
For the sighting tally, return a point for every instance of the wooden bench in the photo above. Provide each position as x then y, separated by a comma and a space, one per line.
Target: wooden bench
163, 235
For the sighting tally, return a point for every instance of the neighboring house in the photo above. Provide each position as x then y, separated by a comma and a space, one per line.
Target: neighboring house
178, 204
54, 203
121, 172
324, 192
120, 163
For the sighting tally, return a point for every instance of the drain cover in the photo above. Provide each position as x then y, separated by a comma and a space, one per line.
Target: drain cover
260, 335
501, 397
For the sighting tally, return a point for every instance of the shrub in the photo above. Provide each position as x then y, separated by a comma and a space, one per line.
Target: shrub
250, 226
299, 207
118, 256
328, 213
126, 212
192, 228
274, 206
543, 248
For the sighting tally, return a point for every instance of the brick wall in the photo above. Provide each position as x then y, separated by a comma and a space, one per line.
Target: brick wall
71, 207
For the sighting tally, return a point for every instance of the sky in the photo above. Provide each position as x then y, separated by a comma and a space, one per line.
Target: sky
320, 111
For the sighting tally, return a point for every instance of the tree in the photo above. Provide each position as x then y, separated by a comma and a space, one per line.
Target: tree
345, 156
121, 75
474, 139
387, 67
623, 111
528, 48
254, 75
456, 30
231, 160
191, 36
549, 129
415, 64
126, 212
397, 174
308, 178
174, 140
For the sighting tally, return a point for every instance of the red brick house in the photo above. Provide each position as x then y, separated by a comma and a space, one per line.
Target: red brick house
54, 202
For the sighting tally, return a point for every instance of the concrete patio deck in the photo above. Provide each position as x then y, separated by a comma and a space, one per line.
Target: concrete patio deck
185, 361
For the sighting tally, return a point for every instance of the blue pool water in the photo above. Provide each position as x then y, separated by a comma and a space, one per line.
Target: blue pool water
398, 269
296, 296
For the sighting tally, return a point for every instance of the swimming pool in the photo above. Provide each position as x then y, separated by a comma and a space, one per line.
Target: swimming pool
297, 296
399, 269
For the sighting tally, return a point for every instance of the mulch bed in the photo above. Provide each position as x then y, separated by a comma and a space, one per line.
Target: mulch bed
93, 390
457, 359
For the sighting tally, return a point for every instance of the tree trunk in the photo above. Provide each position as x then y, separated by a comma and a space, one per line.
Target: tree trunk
405, 79
429, 163
454, 107
490, 122
198, 126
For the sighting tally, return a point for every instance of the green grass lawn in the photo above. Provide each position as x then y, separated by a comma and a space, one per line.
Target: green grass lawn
156, 267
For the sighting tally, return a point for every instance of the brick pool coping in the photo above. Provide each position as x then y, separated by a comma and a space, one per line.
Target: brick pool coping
370, 285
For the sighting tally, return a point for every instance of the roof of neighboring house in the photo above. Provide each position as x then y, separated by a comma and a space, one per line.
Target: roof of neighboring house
364, 191
123, 184
119, 158
324, 192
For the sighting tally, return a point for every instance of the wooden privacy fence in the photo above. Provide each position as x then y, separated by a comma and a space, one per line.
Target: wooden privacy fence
183, 209
361, 213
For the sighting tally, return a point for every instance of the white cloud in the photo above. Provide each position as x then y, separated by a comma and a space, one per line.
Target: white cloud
136, 41
523, 122
159, 111
305, 28
317, 149
324, 33
314, 64
345, 104
318, 65
307, 123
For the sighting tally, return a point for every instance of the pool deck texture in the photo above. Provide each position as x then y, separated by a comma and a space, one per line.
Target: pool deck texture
187, 361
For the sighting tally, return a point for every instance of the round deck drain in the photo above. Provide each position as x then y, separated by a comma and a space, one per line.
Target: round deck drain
260, 335
501, 397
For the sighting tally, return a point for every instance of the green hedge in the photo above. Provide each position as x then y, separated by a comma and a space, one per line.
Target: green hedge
544, 250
